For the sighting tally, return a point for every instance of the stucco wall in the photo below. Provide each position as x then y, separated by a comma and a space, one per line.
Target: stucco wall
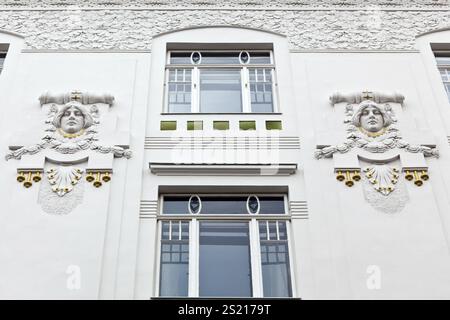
114, 25
228, 3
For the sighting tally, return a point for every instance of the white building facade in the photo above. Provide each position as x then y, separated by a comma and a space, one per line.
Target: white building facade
242, 149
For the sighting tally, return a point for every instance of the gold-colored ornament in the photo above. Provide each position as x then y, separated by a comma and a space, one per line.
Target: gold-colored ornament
97, 176
372, 134
348, 176
419, 176
28, 177
71, 135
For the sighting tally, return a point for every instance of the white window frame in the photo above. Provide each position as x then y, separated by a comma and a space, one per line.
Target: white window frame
3, 52
245, 82
445, 67
254, 239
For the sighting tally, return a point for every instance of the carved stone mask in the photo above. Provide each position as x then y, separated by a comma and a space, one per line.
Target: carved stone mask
371, 119
72, 121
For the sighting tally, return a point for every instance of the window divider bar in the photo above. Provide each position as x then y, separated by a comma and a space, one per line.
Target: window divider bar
278, 230
292, 263
195, 78
245, 87
194, 261
255, 256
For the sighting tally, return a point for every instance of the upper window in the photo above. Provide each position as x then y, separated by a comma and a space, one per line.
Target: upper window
2, 57
220, 81
443, 63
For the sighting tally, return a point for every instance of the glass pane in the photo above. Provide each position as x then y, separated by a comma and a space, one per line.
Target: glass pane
261, 90
272, 205
220, 58
176, 205
174, 259
220, 90
180, 58
175, 230
225, 259
273, 230
224, 205
443, 60
174, 270
2, 60
165, 231
275, 270
185, 231
259, 57
282, 230
263, 225
179, 90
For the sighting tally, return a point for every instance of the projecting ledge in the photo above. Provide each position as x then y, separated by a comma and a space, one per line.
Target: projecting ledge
172, 169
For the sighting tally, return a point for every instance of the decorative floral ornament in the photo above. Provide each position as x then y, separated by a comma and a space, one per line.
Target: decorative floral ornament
63, 179
382, 177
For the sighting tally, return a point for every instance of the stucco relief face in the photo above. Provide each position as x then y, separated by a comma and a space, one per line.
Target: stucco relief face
371, 119
72, 120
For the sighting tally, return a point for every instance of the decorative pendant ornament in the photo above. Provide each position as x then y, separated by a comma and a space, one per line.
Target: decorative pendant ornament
63, 179
382, 177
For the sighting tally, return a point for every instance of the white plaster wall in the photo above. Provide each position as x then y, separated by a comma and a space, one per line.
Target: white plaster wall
37, 248
343, 235
348, 235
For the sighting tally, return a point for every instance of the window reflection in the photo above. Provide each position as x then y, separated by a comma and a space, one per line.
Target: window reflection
174, 264
225, 259
220, 90
275, 259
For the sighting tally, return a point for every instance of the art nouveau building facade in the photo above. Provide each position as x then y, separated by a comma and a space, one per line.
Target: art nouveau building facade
241, 150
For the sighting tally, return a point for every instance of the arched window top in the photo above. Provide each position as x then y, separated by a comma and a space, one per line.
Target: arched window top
8, 33
214, 28
433, 32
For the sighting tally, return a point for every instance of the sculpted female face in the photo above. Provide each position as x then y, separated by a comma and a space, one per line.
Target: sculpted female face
371, 119
72, 120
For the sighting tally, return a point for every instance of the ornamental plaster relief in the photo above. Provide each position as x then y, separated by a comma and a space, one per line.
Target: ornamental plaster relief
123, 29
228, 3
375, 150
70, 150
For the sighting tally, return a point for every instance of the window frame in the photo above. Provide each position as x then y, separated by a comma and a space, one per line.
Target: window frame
446, 67
3, 51
245, 81
253, 220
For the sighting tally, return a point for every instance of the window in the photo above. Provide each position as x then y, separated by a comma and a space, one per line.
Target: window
443, 63
2, 58
224, 246
220, 82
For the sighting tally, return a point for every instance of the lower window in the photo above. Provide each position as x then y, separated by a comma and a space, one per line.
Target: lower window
242, 256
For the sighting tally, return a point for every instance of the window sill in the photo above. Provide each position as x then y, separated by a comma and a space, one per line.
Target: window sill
224, 298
